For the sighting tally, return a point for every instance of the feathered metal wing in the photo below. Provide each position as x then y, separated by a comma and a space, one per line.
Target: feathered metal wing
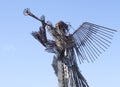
91, 40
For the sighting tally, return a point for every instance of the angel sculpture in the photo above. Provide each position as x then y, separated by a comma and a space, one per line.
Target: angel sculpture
85, 44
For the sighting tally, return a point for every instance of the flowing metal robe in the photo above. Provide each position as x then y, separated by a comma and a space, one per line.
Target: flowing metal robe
64, 62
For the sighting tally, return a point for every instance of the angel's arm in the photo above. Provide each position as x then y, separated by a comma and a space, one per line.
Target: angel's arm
41, 36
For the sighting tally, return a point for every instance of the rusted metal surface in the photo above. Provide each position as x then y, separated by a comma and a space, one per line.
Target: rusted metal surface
85, 44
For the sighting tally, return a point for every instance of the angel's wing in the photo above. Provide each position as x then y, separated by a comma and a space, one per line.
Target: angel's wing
91, 40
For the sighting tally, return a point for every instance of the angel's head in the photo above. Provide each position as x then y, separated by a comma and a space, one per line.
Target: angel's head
61, 27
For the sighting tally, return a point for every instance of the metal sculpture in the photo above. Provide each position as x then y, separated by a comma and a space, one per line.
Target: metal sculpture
85, 44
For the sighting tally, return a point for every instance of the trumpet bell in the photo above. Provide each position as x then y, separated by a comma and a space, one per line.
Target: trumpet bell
26, 12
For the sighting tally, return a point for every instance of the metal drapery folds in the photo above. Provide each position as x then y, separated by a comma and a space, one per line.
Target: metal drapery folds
85, 44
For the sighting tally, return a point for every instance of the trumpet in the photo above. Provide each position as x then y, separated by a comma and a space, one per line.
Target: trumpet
27, 12
42, 19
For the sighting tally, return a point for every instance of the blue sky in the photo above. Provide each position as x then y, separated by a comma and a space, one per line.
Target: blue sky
23, 61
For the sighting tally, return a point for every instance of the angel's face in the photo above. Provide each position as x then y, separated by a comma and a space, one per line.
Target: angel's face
60, 28
60, 31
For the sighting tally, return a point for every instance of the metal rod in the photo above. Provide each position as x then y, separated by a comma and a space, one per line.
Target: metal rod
102, 35
82, 48
106, 34
89, 39
99, 27
87, 47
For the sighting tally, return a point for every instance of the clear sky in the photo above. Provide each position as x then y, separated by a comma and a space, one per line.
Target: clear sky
23, 61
